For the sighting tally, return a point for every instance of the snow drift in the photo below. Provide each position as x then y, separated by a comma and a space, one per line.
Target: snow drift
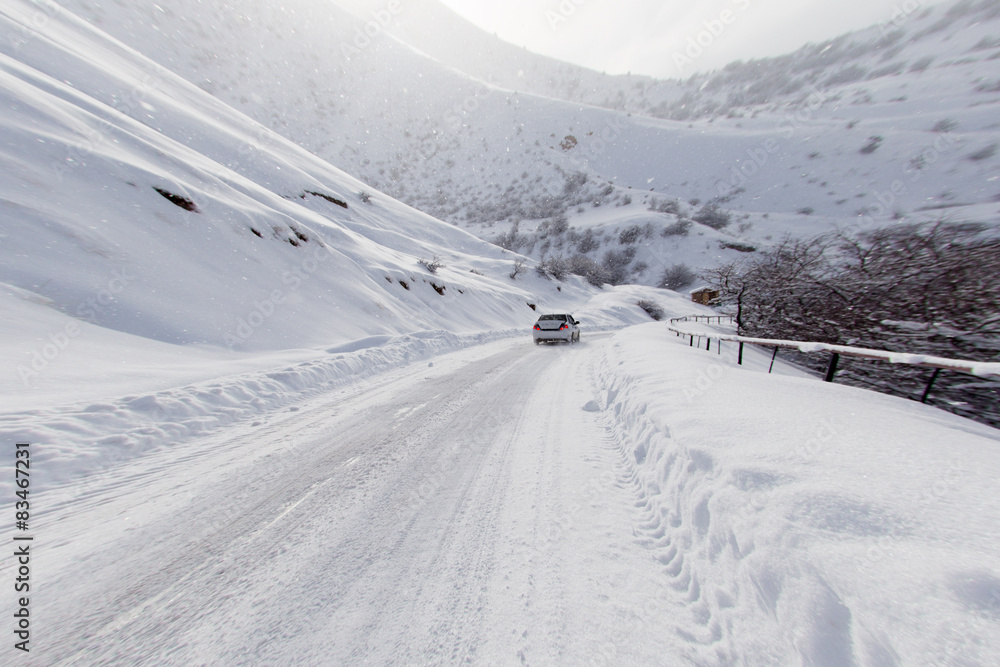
802, 522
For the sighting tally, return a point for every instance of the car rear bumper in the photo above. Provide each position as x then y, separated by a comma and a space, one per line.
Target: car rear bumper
552, 335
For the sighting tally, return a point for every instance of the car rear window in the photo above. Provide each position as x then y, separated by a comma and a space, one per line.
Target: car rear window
551, 317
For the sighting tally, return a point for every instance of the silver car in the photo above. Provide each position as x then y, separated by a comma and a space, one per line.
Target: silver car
559, 328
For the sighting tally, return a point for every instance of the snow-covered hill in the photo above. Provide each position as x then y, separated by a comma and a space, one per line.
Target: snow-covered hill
123, 182
895, 122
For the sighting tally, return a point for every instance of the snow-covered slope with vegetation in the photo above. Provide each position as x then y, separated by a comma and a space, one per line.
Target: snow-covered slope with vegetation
135, 183
895, 122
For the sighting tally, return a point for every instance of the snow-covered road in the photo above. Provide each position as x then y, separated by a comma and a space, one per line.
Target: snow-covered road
463, 510
627, 500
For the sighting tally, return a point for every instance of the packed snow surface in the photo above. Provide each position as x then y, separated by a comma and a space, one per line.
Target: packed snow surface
625, 500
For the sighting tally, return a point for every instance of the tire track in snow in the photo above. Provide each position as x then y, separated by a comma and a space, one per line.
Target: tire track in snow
457, 514
414, 441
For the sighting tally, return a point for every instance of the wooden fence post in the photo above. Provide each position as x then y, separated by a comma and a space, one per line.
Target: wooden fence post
832, 368
927, 391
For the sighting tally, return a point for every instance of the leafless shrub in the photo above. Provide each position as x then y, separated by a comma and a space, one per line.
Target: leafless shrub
651, 308
511, 239
630, 235
677, 277
616, 264
591, 271
712, 216
945, 125
679, 228
872, 145
671, 206
432, 266
984, 153
553, 267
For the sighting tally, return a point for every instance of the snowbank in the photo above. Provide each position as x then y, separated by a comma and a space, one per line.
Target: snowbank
73, 441
803, 522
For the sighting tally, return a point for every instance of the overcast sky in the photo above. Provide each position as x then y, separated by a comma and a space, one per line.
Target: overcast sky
660, 37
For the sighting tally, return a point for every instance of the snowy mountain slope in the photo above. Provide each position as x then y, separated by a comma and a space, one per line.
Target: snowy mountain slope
911, 36
135, 183
896, 121
374, 106
436, 30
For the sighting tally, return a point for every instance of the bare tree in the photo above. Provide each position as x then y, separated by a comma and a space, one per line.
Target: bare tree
554, 267
931, 288
517, 270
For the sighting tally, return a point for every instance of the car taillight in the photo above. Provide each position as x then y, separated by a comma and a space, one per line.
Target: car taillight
537, 328
563, 326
